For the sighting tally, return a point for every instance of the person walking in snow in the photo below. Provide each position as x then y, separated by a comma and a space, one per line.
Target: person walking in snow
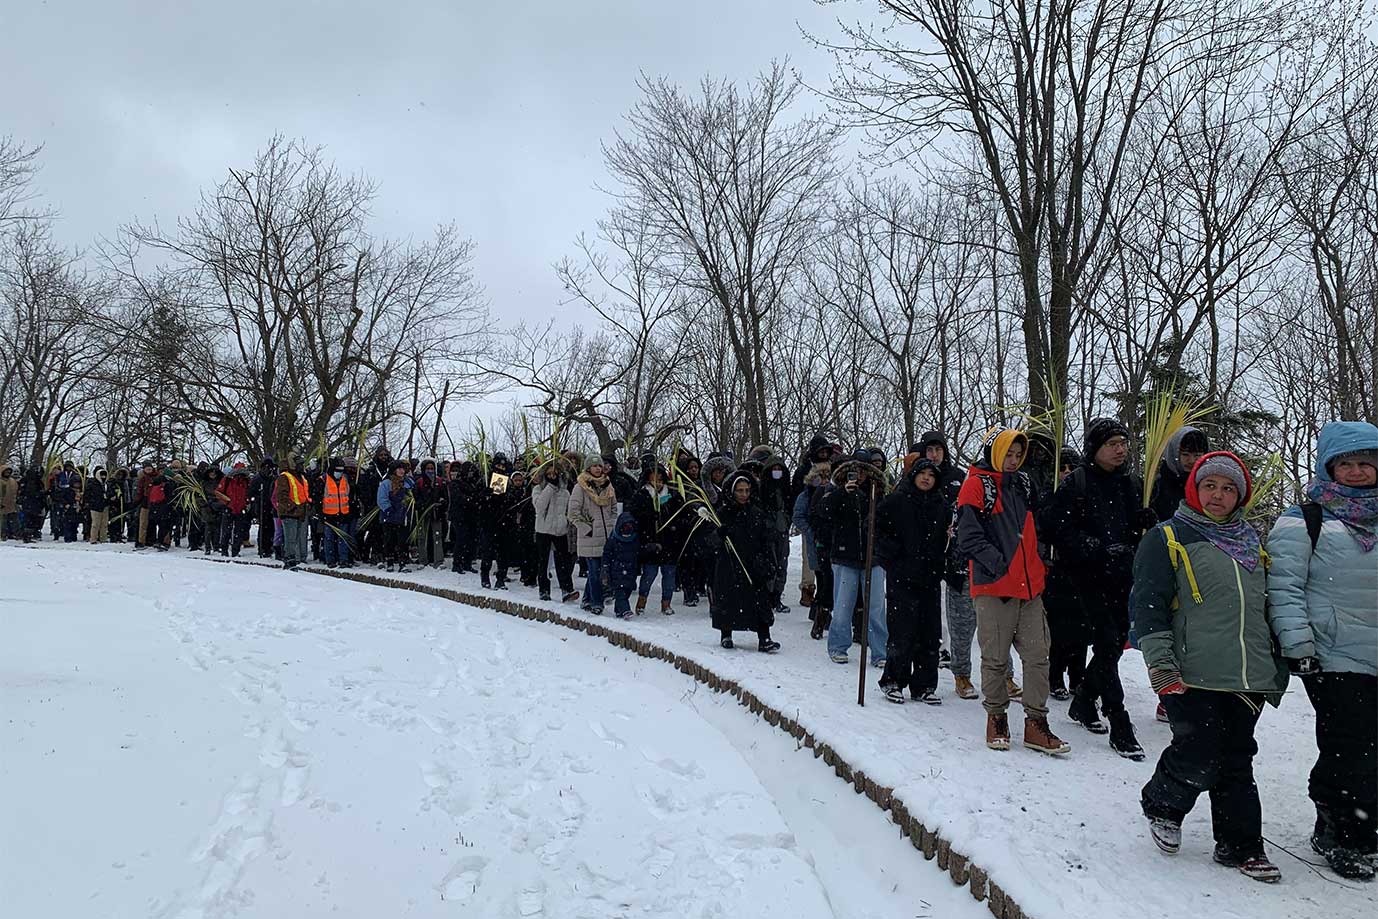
622, 555
232, 494
463, 495
157, 498
995, 530
32, 501
431, 498
65, 499
1323, 594
9, 503
338, 509
1095, 523
655, 507
95, 500
261, 500
550, 509
292, 495
844, 520
818, 451
391, 501
1069, 632
806, 507
593, 512
496, 524
911, 542
743, 565
1198, 600
960, 621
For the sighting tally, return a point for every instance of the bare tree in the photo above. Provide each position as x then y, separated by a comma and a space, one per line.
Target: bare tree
735, 194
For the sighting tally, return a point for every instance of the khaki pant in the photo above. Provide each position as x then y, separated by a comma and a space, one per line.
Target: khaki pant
100, 526
1022, 623
806, 576
143, 526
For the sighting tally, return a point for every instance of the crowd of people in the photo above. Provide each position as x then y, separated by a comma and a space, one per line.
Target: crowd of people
1052, 554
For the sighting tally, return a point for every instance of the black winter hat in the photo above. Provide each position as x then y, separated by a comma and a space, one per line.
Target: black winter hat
1070, 456
1098, 432
648, 461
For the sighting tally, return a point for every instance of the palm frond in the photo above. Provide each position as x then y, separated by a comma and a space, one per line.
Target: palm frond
1167, 411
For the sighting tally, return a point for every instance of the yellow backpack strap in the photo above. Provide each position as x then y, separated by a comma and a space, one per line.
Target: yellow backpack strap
1175, 551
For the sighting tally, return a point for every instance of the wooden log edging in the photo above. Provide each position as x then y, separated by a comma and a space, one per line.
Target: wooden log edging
959, 867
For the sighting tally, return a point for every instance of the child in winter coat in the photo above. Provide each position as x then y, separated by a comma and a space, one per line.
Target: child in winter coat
392, 514
622, 562
1198, 600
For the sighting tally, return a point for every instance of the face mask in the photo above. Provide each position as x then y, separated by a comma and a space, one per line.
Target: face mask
776, 474
337, 472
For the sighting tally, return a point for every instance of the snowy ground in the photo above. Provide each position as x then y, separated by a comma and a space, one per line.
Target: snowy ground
182, 739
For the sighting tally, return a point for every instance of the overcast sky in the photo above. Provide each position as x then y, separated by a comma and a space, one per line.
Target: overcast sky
489, 114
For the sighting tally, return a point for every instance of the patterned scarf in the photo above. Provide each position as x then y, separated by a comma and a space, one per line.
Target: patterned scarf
1232, 535
1356, 508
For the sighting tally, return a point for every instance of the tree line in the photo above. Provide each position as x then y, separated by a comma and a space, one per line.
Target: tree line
991, 210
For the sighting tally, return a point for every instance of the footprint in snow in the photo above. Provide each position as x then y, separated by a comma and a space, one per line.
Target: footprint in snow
463, 879
606, 736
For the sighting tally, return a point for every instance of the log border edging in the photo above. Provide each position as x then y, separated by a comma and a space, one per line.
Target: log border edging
959, 867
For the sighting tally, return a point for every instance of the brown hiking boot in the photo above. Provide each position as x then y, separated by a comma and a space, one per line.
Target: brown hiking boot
1038, 736
640, 605
964, 688
806, 596
998, 732
1012, 688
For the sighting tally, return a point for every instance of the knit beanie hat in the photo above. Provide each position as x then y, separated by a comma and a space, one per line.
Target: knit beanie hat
1221, 463
594, 459
1098, 432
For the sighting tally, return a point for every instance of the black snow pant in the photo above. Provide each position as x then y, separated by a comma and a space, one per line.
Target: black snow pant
160, 525
1107, 611
821, 613
1344, 781
394, 543
564, 562
265, 536
492, 547
1212, 751
914, 619
234, 531
1069, 633
461, 543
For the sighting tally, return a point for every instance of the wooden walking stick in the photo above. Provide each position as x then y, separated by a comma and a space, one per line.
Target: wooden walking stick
866, 597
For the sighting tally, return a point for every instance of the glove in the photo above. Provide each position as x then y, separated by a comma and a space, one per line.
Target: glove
1166, 682
704, 514
1146, 518
1304, 666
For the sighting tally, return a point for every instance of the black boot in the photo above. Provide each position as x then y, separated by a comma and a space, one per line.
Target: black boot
1329, 843
1083, 712
1122, 739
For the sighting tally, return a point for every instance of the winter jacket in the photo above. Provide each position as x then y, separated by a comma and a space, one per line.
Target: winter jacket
843, 520
157, 495
950, 478
1223, 640
1324, 604
659, 524
261, 494
32, 498
431, 494
392, 508
463, 495
911, 533
996, 533
233, 492
95, 497
775, 496
9, 491
621, 554
1093, 524
550, 504
371, 475
66, 489
593, 511
292, 494
743, 568
805, 504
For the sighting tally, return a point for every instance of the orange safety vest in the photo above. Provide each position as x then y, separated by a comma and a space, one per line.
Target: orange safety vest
336, 496
299, 490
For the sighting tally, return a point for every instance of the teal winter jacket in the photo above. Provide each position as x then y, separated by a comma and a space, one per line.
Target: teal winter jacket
1325, 603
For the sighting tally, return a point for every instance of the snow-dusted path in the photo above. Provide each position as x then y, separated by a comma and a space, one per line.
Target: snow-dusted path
189, 740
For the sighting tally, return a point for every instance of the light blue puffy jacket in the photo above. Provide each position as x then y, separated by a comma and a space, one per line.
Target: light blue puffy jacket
1325, 604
